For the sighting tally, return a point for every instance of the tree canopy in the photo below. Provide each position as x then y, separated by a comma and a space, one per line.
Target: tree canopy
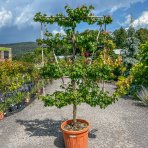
131, 48
119, 36
142, 35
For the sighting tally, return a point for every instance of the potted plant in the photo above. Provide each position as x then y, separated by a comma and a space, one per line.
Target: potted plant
1, 115
27, 97
84, 73
2, 110
13, 76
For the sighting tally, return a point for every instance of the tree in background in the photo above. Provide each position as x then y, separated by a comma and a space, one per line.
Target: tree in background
131, 49
142, 35
119, 36
35, 56
138, 74
139, 71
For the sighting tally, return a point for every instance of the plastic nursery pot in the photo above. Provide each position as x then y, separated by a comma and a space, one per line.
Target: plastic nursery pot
75, 139
27, 100
1, 115
13, 108
38, 91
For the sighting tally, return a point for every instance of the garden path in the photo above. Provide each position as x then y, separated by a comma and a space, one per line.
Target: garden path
121, 125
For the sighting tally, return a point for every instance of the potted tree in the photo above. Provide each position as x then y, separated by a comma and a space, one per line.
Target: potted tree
84, 73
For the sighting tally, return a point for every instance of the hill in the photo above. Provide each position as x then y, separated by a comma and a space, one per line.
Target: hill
21, 48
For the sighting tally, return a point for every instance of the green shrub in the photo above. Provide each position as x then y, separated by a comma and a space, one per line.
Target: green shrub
143, 95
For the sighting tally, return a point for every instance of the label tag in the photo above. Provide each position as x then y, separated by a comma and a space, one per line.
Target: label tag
72, 136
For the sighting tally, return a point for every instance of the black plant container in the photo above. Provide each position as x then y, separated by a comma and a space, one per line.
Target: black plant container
21, 106
13, 108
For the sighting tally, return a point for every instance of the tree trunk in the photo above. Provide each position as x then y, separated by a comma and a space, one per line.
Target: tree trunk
73, 82
74, 46
103, 86
74, 113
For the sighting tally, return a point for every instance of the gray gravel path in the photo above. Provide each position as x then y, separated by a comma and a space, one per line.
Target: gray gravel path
121, 125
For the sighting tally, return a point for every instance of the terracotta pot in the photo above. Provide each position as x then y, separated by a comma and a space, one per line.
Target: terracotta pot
1, 115
75, 139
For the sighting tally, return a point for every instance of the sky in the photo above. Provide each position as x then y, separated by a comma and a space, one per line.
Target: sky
17, 25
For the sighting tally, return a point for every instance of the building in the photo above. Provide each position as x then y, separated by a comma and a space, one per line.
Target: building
118, 51
5, 53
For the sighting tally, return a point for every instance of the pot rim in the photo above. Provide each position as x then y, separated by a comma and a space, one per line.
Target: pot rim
74, 132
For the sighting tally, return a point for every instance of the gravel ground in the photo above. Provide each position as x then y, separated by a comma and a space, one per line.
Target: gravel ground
121, 125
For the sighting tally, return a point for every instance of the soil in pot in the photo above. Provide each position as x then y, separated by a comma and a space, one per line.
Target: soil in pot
75, 127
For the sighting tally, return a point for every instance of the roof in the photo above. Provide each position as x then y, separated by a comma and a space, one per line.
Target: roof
4, 49
118, 51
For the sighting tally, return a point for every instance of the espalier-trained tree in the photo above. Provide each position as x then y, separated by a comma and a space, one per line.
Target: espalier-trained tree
84, 73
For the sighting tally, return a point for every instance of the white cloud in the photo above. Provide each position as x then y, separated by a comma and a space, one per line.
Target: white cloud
25, 18
112, 5
24, 10
114, 8
128, 20
58, 31
142, 21
20, 13
5, 17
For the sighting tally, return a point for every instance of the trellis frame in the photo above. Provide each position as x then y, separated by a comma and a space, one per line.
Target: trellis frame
42, 30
